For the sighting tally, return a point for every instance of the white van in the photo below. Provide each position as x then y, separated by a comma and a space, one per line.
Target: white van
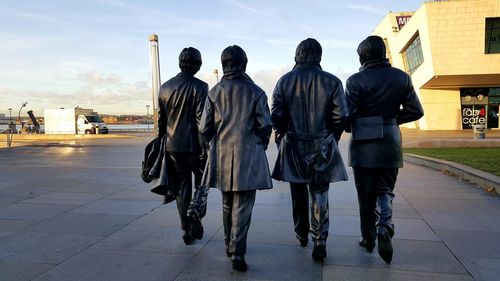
90, 124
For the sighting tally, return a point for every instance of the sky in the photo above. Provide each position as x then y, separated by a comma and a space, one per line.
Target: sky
95, 53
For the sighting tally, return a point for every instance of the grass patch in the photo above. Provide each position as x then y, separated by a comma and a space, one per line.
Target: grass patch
484, 159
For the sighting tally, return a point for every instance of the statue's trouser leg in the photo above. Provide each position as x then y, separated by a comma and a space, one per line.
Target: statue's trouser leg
385, 183
183, 180
364, 179
375, 186
300, 208
237, 214
320, 220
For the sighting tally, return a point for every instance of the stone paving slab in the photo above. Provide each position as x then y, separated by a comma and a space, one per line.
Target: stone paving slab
118, 207
266, 262
345, 273
38, 188
33, 211
271, 232
64, 198
447, 221
8, 226
7, 200
110, 188
478, 244
43, 247
452, 206
21, 270
134, 193
95, 265
484, 269
414, 255
153, 239
83, 224
414, 229
442, 192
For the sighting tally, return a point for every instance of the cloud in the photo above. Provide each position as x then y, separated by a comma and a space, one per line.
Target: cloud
331, 43
282, 42
364, 8
338, 44
188, 24
109, 88
135, 8
96, 78
103, 92
209, 77
31, 16
367, 8
266, 79
243, 6
343, 73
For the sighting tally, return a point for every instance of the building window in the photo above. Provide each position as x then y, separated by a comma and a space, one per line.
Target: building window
492, 36
412, 55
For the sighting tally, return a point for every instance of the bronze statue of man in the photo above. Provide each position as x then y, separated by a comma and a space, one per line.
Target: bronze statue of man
237, 125
308, 114
181, 102
379, 98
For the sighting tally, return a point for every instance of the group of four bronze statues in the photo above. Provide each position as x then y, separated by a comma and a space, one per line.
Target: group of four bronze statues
220, 136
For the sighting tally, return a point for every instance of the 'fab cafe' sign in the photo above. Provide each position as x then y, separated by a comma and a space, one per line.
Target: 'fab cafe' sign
474, 103
472, 116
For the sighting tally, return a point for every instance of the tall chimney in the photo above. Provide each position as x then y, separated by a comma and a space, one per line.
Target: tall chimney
155, 76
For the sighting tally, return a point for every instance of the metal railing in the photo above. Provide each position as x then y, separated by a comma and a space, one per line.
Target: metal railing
8, 132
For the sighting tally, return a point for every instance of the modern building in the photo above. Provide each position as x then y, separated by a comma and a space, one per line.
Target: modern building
451, 49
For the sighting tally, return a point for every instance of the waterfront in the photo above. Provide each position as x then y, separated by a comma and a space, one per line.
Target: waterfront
111, 127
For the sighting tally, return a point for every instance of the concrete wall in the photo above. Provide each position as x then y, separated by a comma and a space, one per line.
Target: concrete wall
442, 109
457, 33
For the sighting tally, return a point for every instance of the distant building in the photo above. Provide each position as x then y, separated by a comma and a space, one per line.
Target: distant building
3, 119
110, 119
451, 49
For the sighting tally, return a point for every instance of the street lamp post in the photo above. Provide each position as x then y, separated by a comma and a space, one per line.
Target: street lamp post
147, 115
12, 125
10, 115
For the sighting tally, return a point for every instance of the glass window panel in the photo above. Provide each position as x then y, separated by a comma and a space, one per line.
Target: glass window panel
492, 36
413, 55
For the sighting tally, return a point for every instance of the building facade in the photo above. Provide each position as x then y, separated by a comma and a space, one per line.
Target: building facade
451, 49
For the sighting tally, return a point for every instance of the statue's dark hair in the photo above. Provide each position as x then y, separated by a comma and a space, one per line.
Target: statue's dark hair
372, 48
308, 51
190, 60
234, 58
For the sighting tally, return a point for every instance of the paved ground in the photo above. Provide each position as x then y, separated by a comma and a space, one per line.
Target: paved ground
81, 212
